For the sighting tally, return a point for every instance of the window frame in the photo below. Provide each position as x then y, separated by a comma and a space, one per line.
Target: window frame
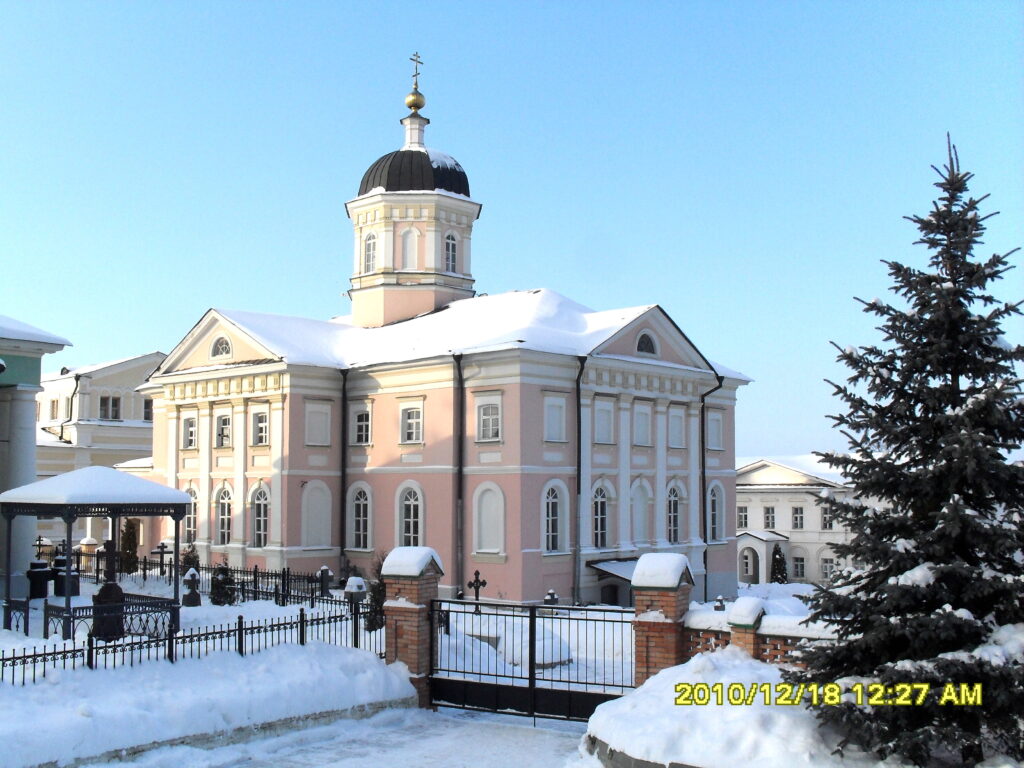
643, 409
410, 497
646, 336
495, 432
223, 517
147, 408
715, 522
715, 431
827, 566
676, 412
260, 428
552, 520
599, 518
827, 519
799, 567
222, 430
323, 408
189, 433
742, 518
478, 519
673, 519
411, 429
356, 411
361, 511
798, 518
555, 432
191, 520
260, 510
769, 522
451, 253
218, 350
604, 406
368, 258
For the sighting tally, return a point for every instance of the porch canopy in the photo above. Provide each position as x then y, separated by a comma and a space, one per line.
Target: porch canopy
92, 492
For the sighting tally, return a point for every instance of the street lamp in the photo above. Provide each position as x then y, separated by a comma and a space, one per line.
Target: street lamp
355, 591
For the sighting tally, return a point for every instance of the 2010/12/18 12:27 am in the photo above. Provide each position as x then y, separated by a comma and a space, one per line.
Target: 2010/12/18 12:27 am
829, 694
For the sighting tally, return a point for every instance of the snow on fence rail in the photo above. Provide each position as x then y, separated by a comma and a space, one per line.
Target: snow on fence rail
29, 665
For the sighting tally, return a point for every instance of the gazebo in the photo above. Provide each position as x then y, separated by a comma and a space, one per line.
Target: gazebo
90, 492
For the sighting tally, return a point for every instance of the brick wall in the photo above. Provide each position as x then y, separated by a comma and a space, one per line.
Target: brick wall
407, 623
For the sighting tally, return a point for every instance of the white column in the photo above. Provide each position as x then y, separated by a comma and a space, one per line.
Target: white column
586, 471
21, 470
625, 443
173, 441
660, 473
693, 465
386, 247
277, 446
204, 439
239, 439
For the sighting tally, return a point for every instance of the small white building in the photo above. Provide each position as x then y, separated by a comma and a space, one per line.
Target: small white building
777, 503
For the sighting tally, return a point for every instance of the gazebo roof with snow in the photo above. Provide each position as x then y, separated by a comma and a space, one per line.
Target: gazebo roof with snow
94, 492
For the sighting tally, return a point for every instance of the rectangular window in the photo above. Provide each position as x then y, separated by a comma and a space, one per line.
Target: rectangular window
741, 517
361, 427
488, 419
798, 518
604, 412
715, 431
110, 408
412, 424
769, 517
188, 433
222, 437
799, 569
828, 567
260, 428
554, 419
53, 409
676, 428
67, 408
826, 520
642, 425
147, 409
318, 423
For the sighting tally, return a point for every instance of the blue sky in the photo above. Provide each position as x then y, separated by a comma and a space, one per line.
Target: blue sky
745, 165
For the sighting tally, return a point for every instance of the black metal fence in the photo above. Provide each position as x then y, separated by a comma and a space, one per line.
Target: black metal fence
339, 628
536, 660
144, 615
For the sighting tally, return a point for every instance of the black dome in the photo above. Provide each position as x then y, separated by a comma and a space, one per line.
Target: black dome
411, 170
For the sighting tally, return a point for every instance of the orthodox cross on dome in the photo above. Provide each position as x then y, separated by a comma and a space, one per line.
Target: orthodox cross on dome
416, 60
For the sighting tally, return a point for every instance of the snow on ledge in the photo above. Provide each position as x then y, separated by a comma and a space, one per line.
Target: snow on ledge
746, 611
410, 561
661, 570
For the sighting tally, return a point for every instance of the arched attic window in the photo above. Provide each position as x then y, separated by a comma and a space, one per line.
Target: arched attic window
645, 344
370, 253
221, 348
451, 253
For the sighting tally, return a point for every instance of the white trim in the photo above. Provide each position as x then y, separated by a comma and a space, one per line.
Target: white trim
562, 520
350, 518
477, 527
421, 528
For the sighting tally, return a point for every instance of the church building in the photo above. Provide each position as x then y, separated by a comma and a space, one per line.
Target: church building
522, 435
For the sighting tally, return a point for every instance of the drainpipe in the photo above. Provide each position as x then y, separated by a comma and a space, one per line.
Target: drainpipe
460, 460
577, 518
344, 465
78, 380
704, 479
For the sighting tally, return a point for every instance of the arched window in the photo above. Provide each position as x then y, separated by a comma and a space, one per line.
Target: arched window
223, 517
715, 529
361, 520
552, 521
410, 519
451, 253
600, 518
672, 516
409, 249
190, 517
221, 348
645, 344
260, 517
489, 522
639, 501
370, 253
316, 514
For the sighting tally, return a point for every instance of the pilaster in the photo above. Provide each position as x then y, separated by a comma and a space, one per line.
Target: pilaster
624, 506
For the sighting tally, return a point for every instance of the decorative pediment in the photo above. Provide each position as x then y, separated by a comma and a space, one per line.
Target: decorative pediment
654, 336
215, 342
767, 472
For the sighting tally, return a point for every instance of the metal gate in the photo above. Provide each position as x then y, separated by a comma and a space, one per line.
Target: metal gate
548, 661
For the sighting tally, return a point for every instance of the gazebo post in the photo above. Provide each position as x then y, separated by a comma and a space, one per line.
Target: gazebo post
7, 574
68, 521
115, 536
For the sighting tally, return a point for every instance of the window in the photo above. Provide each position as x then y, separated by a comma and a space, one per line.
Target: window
799, 568
147, 408
260, 429
673, 516
450, 254
645, 345
554, 419
410, 530
188, 433
370, 253
642, 425
604, 411
361, 520
361, 428
676, 428
488, 419
260, 517
798, 518
600, 518
769, 517
714, 514
828, 568
412, 424
741, 517
110, 408
54, 405
224, 517
222, 438
826, 519
190, 517
746, 563
409, 249
221, 348
489, 522
67, 408
552, 541
318, 423
714, 431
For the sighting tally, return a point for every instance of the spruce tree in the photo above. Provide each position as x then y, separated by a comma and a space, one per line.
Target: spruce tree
129, 547
780, 574
373, 613
931, 591
189, 558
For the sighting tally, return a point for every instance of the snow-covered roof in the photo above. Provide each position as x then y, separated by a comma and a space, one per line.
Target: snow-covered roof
540, 320
623, 569
661, 570
746, 611
763, 535
94, 485
807, 463
144, 463
19, 331
84, 369
410, 561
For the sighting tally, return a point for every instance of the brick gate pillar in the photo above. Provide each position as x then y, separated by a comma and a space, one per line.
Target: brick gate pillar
661, 596
744, 618
410, 577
